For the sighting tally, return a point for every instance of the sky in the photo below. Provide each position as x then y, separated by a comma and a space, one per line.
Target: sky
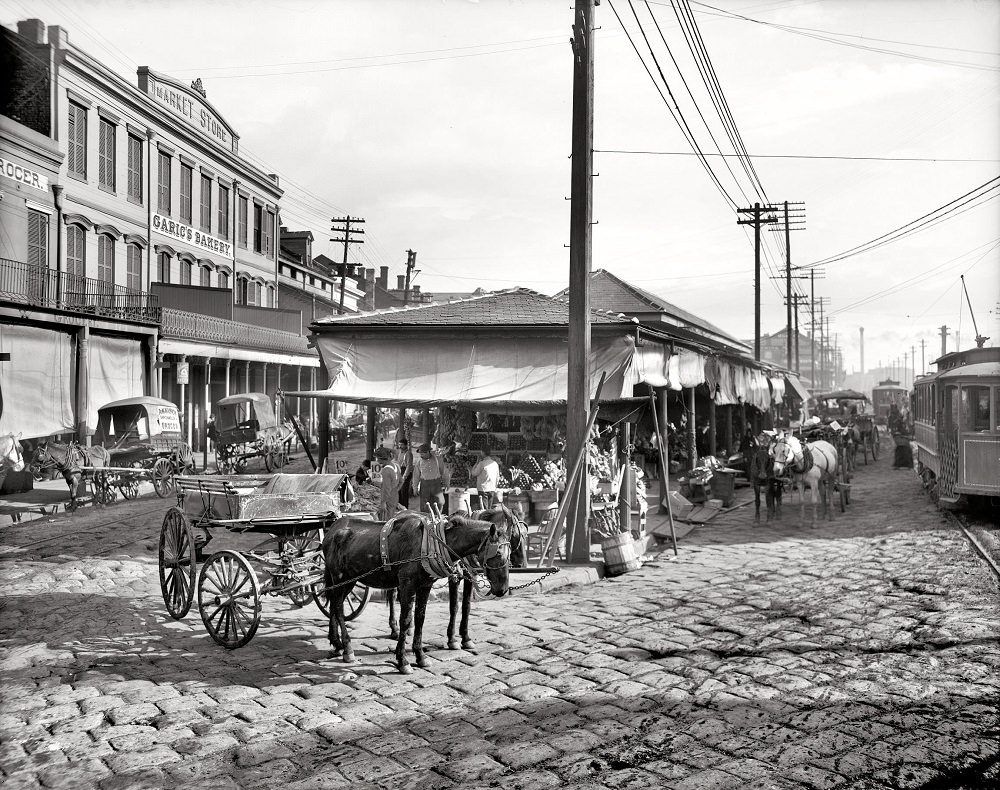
446, 125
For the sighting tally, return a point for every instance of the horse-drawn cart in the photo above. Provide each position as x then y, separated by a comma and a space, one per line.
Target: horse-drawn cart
144, 441
245, 427
293, 510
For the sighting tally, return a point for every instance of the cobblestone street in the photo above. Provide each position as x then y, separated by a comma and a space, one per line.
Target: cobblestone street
862, 653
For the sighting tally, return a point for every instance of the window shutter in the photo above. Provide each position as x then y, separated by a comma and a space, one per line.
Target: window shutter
38, 239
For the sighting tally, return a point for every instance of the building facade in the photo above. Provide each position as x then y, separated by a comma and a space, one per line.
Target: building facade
141, 243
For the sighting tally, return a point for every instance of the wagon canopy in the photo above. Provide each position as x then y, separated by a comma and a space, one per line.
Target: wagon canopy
136, 419
842, 395
245, 406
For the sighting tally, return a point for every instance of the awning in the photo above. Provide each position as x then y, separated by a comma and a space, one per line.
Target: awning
514, 375
797, 389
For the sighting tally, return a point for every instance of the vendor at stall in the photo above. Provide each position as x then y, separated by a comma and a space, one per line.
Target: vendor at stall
487, 473
391, 473
428, 474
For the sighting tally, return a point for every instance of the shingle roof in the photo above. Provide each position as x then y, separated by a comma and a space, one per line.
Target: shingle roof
512, 307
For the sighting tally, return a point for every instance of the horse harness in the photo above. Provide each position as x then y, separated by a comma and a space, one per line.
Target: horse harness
436, 557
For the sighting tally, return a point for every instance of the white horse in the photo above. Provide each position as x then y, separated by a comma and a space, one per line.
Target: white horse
10, 455
813, 464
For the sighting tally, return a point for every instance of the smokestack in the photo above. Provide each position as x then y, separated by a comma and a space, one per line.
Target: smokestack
400, 282
861, 330
383, 278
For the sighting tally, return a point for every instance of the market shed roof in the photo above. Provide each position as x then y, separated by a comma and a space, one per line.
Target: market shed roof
609, 292
511, 307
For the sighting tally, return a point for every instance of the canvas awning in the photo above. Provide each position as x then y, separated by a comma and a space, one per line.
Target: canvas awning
515, 374
797, 389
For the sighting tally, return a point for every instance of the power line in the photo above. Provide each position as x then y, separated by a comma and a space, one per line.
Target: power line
801, 156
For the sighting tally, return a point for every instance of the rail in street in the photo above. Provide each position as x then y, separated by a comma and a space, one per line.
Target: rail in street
861, 653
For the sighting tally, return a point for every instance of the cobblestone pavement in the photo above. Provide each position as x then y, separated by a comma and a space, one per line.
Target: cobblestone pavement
861, 653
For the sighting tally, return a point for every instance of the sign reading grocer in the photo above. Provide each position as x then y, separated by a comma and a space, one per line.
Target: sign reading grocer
182, 232
24, 175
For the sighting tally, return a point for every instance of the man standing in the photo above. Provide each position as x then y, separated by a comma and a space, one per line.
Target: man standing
427, 478
487, 473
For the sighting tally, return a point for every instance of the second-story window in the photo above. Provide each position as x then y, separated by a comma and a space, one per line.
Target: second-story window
76, 144
133, 267
223, 279
206, 277
38, 239
223, 223
269, 218
135, 169
241, 234
106, 260
163, 193
206, 203
76, 252
186, 267
187, 178
106, 156
258, 228
163, 267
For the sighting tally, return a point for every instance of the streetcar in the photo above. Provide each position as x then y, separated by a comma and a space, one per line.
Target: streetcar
887, 394
957, 427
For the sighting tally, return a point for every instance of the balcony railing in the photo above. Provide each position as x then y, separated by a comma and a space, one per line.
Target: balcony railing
40, 286
209, 329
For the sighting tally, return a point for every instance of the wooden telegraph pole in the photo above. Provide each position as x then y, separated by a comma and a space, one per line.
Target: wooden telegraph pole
581, 211
350, 237
758, 219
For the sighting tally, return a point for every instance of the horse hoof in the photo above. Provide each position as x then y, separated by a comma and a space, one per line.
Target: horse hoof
453, 644
405, 669
349, 657
422, 662
468, 644
394, 635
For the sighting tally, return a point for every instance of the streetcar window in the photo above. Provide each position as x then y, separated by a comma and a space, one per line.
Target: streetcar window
976, 408
951, 422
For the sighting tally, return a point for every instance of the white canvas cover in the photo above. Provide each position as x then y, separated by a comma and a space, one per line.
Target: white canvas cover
528, 374
36, 385
116, 372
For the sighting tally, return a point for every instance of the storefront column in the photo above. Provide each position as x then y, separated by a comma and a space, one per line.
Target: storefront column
225, 393
264, 385
247, 378
371, 418
712, 447
727, 429
160, 364
151, 369
182, 405
322, 423
206, 410
627, 491
692, 429
82, 384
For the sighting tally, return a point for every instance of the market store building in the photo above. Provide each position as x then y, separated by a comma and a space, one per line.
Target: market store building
140, 255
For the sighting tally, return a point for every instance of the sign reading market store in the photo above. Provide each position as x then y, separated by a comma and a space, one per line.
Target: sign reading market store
182, 232
190, 104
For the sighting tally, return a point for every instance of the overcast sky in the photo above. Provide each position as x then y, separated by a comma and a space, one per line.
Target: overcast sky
446, 125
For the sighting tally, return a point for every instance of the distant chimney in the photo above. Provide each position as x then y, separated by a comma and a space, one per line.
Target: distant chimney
415, 289
58, 37
383, 277
400, 282
369, 279
32, 29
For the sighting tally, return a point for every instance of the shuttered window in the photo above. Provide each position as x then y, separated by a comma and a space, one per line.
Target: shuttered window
163, 193
223, 280
223, 228
258, 228
106, 155
185, 272
133, 267
106, 259
76, 243
206, 277
135, 168
38, 239
163, 267
187, 178
241, 235
76, 143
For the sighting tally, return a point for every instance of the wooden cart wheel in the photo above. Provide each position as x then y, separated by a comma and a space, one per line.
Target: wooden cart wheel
177, 563
222, 459
875, 442
229, 598
163, 477
280, 457
266, 451
104, 494
302, 545
354, 604
128, 484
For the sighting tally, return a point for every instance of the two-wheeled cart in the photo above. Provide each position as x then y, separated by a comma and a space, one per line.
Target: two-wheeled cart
245, 427
291, 510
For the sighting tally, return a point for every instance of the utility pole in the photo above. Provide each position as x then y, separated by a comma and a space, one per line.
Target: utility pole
411, 262
923, 361
913, 365
349, 238
758, 219
580, 254
797, 299
944, 340
795, 219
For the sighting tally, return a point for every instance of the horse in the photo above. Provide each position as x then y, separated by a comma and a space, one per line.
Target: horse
517, 535
409, 553
11, 458
760, 470
813, 464
70, 460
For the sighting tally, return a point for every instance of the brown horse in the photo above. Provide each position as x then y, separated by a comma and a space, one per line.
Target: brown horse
70, 459
408, 553
517, 535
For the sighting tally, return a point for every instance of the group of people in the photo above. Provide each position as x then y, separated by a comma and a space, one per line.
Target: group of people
405, 477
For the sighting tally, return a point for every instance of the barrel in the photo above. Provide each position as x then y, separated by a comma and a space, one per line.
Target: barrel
619, 554
458, 500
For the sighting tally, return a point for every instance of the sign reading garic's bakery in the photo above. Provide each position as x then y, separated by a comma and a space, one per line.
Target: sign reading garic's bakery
190, 104
182, 232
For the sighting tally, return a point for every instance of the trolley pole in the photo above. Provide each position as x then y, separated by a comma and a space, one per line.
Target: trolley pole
758, 219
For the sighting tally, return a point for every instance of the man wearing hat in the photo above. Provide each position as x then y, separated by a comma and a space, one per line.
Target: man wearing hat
428, 481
